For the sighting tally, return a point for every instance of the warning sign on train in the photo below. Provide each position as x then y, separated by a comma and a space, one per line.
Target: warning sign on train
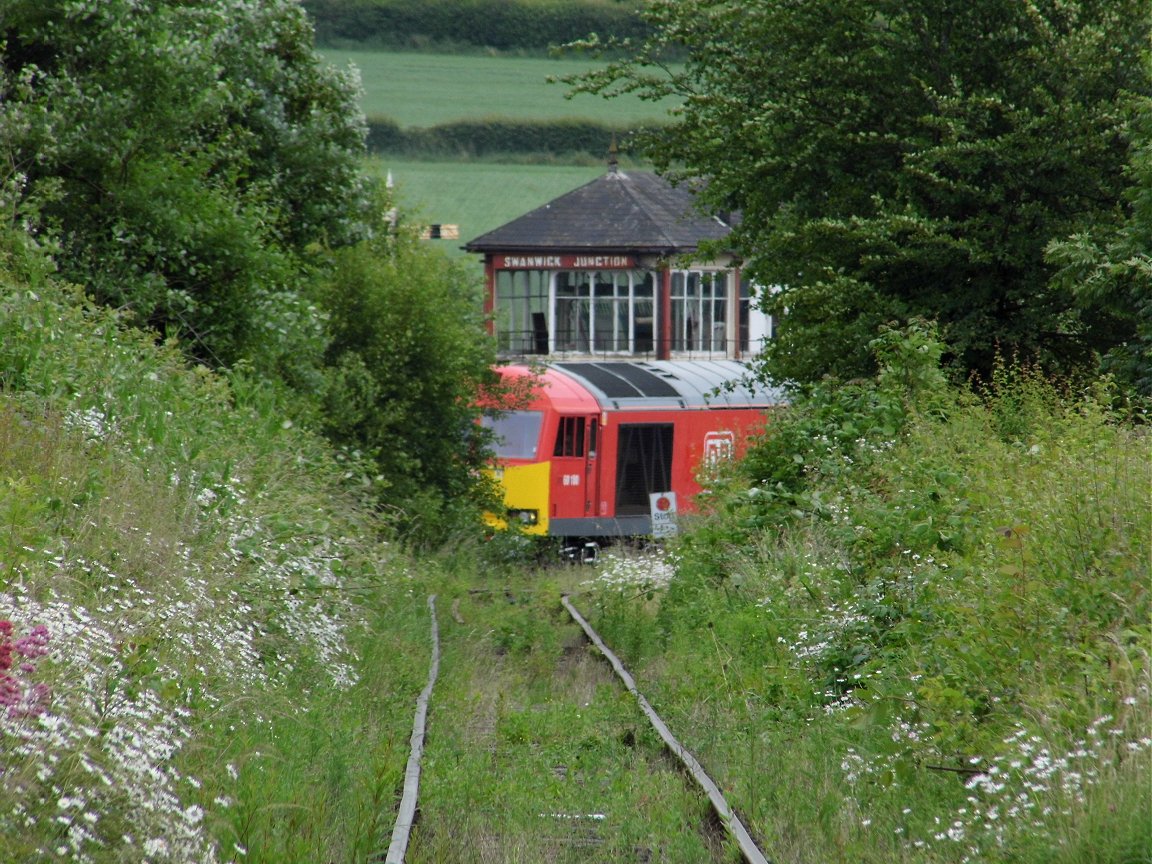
663, 506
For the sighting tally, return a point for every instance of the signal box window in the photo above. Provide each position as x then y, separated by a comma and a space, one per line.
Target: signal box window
522, 311
570, 437
699, 310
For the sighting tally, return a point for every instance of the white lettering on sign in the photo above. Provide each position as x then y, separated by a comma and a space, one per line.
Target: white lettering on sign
540, 262
602, 261
563, 262
571, 480
663, 508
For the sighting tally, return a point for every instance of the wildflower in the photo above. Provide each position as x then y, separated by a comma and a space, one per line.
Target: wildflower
156, 846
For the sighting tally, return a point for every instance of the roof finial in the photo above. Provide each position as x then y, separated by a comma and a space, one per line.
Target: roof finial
613, 163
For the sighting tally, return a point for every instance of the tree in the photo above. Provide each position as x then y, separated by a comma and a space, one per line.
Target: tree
407, 357
902, 159
180, 157
1109, 266
194, 162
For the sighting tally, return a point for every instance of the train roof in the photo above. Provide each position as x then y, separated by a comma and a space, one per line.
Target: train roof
672, 383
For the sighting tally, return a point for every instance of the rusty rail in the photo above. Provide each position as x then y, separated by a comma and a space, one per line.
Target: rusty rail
406, 816
728, 817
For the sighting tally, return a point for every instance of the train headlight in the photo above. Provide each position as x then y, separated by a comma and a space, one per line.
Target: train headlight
524, 517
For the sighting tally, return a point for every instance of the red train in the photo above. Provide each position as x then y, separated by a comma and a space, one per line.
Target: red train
615, 449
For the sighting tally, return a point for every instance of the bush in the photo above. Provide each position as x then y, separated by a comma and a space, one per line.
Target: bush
406, 359
937, 585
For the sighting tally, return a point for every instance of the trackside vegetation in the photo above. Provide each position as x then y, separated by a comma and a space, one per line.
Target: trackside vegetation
207, 646
914, 625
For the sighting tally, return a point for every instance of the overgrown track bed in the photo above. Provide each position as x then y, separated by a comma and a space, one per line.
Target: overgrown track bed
731, 821
406, 818
535, 752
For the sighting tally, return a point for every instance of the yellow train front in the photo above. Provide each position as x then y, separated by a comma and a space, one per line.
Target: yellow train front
597, 449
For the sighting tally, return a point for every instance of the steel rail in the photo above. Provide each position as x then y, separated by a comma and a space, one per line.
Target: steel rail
728, 817
406, 816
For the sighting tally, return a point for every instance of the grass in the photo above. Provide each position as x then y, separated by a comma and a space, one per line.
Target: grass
540, 754
417, 89
421, 90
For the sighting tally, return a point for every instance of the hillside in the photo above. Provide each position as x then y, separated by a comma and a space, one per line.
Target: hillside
190, 601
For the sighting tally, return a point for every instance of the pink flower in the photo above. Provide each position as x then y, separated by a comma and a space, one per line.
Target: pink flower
21, 697
35, 643
10, 691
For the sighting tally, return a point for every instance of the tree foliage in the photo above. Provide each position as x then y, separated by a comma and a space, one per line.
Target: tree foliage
407, 357
895, 160
179, 157
1109, 265
196, 165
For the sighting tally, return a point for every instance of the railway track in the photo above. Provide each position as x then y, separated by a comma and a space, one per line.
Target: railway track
540, 749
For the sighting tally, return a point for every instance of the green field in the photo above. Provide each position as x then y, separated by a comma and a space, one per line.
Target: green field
420, 90
428, 89
478, 196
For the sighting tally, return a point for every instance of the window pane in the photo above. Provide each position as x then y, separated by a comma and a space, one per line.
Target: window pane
516, 434
570, 437
521, 297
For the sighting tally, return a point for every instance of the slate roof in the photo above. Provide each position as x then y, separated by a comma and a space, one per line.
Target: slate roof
634, 211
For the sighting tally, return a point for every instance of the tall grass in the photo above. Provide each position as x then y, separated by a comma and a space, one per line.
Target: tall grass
935, 648
538, 753
207, 649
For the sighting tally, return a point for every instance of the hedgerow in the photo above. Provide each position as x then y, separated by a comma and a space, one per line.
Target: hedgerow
467, 139
503, 25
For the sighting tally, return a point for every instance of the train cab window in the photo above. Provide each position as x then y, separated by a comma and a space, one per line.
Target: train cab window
515, 434
570, 437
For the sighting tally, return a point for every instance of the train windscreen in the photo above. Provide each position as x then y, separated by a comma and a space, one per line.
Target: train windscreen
515, 434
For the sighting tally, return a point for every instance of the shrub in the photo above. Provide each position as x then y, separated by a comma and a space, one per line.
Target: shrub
406, 360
